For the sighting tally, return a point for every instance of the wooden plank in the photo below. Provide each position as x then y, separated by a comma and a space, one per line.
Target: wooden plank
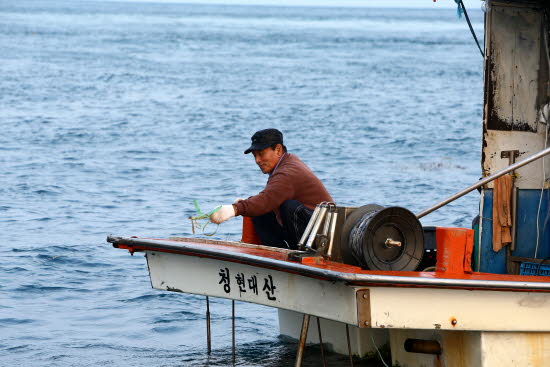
514, 68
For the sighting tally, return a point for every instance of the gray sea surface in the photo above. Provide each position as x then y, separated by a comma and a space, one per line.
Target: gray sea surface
115, 116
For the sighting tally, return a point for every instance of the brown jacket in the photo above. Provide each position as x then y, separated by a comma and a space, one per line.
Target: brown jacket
291, 180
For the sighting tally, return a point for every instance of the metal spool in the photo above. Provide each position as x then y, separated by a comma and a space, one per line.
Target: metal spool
381, 238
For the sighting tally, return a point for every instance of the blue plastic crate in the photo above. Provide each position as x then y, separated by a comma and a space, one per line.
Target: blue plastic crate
534, 269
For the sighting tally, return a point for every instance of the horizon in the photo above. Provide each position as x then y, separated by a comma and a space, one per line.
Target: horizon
416, 4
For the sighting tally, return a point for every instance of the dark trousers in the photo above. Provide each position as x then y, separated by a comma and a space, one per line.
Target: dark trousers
295, 217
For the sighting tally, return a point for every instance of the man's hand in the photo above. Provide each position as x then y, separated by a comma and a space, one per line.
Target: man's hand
223, 214
237, 200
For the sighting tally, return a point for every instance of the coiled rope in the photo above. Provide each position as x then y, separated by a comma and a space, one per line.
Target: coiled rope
357, 234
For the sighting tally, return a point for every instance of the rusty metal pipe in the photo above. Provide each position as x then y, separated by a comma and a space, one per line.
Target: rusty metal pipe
321, 343
422, 346
484, 181
233, 328
208, 338
302, 341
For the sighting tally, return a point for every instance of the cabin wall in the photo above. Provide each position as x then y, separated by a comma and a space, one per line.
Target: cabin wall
516, 91
516, 88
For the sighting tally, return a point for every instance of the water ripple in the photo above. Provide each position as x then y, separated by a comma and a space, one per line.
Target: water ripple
116, 116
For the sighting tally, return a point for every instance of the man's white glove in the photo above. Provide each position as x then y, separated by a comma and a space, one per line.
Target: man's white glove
237, 200
223, 214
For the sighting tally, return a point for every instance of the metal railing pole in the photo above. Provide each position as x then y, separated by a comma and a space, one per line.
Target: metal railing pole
484, 181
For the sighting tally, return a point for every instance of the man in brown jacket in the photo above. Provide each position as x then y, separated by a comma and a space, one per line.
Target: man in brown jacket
281, 211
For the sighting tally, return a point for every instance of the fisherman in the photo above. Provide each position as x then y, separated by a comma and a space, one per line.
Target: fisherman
281, 211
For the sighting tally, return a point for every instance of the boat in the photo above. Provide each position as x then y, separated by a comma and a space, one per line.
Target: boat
373, 276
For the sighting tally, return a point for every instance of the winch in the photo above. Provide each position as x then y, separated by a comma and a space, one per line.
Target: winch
371, 236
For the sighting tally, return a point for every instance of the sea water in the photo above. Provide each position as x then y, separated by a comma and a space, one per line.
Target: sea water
115, 116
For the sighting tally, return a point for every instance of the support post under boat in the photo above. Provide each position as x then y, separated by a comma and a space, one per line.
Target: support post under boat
233, 329
321, 343
302, 341
349, 346
208, 338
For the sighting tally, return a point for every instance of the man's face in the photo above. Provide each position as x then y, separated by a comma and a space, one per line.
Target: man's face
268, 158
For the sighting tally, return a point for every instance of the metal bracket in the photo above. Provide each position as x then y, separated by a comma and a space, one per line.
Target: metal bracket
298, 255
315, 244
363, 308
513, 154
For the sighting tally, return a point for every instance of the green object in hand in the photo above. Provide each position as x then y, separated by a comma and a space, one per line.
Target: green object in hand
200, 215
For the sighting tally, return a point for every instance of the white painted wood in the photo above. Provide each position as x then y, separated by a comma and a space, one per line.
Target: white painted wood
390, 307
517, 77
515, 59
197, 275
424, 308
493, 328
362, 341
528, 143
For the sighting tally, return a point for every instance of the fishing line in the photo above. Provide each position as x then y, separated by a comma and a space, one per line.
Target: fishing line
379, 354
198, 220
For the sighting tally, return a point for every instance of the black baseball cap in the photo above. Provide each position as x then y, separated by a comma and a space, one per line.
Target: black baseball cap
265, 138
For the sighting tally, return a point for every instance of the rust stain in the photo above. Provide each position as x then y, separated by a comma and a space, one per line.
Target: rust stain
533, 301
536, 348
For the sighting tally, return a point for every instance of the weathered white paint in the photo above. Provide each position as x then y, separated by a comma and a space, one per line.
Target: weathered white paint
528, 143
515, 59
515, 349
459, 348
390, 307
362, 341
424, 308
519, 320
473, 348
191, 274
516, 90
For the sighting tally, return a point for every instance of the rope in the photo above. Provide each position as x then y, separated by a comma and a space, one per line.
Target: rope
462, 9
196, 220
357, 235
